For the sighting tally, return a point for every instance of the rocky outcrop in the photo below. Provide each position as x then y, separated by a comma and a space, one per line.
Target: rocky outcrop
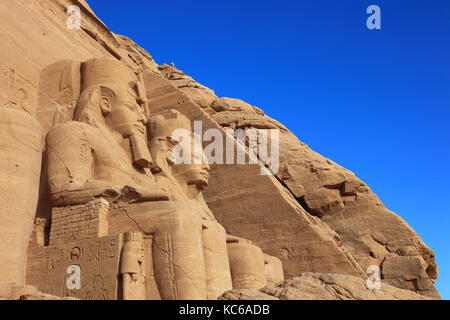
201, 95
323, 286
367, 230
253, 202
13, 292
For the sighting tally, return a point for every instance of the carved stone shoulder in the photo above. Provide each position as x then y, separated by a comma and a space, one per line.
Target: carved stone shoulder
72, 130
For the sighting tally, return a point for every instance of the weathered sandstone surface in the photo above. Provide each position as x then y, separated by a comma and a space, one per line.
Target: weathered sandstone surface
12, 292
361, 225
90, 186
322, 286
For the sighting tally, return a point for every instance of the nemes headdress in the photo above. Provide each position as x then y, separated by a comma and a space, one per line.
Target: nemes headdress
161, 126
104, 71
166, 122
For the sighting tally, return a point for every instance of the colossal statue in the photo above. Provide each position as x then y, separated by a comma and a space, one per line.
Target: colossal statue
186, 181
20, 168
113, 151
103, 153
226, 256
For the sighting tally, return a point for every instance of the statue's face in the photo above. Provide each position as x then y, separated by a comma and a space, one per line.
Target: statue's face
193, 173
127, 116
116, 105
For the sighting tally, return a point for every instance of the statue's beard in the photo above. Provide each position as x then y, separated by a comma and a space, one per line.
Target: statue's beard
201, 185
141, 155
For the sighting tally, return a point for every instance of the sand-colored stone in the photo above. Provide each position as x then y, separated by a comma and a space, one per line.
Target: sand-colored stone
323, 286
20, 167
365, 227
104, 153
408, 272
98, 260
132, 268
12, 292
245, 202
80, 222
250, 272
273, 269
312, 216
200, 94
186, 182
102, 180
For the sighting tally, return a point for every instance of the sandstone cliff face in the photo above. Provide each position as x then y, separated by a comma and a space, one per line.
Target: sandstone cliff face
364, 227
314, 215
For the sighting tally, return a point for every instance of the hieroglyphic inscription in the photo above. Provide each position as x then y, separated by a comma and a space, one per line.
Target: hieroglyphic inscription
98, 262
15, 91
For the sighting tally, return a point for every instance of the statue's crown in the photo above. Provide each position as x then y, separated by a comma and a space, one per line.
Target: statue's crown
134, 236
163, 124
104, 71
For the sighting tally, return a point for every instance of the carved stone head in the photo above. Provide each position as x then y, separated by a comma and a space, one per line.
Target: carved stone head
196, 172
110, 96
160, 128
162, 140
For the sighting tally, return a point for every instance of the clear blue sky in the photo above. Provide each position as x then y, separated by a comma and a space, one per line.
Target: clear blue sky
376, 102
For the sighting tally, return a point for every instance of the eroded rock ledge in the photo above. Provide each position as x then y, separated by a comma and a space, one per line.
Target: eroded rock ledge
323, 286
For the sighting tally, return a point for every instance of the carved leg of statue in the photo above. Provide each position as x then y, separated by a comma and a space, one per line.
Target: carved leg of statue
20, 169
179, 265
126, 285
218, 275
247, 265
133, 287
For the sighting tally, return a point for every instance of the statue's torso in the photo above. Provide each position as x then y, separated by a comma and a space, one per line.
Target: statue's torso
110, 161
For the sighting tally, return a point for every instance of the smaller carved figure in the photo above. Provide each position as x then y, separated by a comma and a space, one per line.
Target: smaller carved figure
97, 291
132, 267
